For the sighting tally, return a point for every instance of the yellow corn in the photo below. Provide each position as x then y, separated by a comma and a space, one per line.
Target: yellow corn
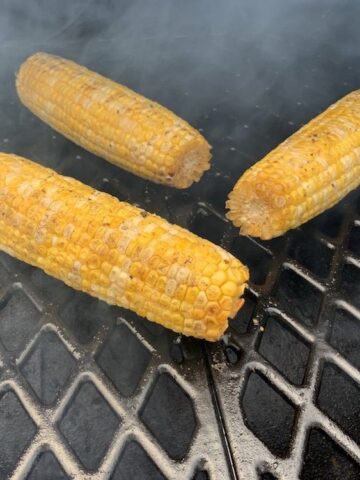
117, 252
112, 121
305, 175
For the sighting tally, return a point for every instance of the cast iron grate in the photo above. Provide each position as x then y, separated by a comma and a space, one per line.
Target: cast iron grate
134, 462
169, 415
125, 370
284, 349
47, 366
299, 360
107, 386
324, 459
124, 359
45, 466
17, 430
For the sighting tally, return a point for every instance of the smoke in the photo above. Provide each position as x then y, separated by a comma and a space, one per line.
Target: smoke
248, 73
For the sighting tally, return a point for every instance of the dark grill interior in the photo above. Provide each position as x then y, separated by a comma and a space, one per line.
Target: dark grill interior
92, 391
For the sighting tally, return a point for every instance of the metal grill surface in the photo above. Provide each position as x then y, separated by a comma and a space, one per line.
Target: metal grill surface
89, 391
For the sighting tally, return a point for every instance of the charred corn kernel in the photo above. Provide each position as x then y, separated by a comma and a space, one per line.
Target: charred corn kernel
212, 308
112, 121
305, 175
204, 282
172, 295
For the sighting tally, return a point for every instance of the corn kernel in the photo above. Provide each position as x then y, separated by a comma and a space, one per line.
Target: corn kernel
218, 278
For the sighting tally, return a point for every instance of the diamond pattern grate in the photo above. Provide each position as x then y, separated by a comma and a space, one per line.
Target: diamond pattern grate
297, 362
97, 406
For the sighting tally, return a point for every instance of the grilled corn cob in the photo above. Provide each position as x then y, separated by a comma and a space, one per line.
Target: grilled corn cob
306, 174
117, 252
112, 121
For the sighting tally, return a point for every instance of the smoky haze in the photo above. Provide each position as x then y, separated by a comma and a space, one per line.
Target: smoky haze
248, 73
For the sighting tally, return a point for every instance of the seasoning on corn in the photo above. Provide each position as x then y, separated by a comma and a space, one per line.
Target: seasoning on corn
112, 121
117, 252
306, 174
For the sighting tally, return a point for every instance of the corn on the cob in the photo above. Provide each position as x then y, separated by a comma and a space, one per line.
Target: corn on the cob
117, 252
112, 121
306, 174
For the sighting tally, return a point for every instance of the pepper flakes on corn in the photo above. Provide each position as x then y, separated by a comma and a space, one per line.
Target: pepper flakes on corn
117, 252
306, 174
112, 121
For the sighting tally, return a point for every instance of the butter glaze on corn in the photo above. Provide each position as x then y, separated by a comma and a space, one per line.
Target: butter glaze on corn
306, 174
112, 121
117, 252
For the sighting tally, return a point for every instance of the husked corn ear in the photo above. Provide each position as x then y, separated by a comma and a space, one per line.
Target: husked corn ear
305, 175
112, 121
117, 252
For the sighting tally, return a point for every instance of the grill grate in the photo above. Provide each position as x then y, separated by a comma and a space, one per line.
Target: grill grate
295, 387
89, 391
89, 408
